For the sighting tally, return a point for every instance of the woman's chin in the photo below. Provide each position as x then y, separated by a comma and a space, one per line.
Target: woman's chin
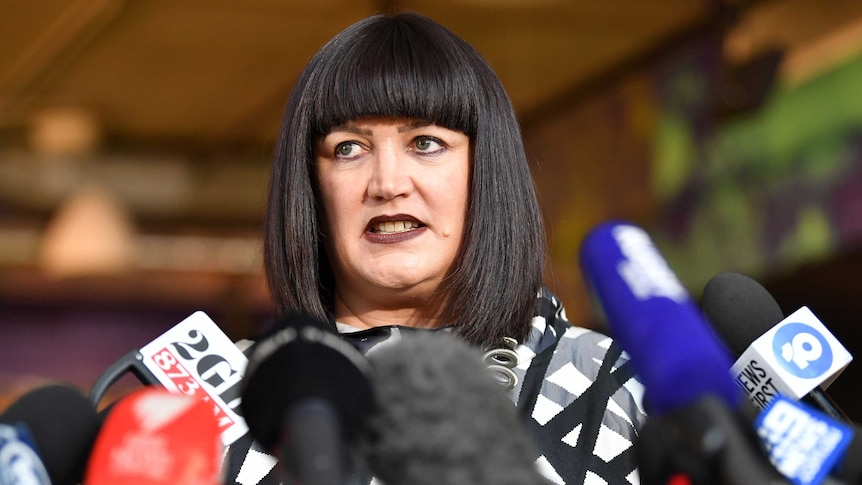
406, 284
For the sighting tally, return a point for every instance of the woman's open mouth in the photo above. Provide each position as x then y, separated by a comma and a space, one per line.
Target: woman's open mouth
394, 227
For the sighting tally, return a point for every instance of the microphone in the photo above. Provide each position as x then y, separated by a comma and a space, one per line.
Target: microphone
154, 437
704, 443
443, 419
795, 356
696, 432
46, 436
742, 311
806, 445
653, 317
305, 395
194, 358
707, 443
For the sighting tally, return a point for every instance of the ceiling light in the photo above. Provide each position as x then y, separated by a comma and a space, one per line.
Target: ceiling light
90, 234
64, 131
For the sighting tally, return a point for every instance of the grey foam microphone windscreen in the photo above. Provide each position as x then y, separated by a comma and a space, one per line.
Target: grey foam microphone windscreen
443, 419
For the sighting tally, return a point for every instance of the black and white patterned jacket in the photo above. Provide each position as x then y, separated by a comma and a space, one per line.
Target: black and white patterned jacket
576, 392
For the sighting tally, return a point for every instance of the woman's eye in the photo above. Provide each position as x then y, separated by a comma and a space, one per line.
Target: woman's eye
346, 149
426, 144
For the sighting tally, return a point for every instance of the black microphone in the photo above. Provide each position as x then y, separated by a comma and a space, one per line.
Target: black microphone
305, 394
48, 431
742, 311
443, 419
704, 443
194, 358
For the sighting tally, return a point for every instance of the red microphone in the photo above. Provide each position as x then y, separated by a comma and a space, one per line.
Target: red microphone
154, 437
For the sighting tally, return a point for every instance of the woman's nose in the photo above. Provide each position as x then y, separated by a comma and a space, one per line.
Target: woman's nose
390, 177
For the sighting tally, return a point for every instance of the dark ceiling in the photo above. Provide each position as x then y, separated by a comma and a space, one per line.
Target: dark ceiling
210, 73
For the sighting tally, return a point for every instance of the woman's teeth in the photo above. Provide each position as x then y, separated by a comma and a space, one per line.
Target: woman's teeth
394, 227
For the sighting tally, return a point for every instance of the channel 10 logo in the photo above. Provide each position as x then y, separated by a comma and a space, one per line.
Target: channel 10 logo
802, 350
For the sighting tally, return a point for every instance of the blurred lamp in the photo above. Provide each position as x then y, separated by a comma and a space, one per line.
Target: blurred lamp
64, 131
91, 234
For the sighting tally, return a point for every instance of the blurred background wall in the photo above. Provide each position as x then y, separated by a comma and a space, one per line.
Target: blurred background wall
135, 139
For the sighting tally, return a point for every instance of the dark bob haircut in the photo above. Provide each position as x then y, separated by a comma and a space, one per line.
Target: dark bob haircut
407, 65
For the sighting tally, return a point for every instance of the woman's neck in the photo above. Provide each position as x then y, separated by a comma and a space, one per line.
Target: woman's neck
360, 313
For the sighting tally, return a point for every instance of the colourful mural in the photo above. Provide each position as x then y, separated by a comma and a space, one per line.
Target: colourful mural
760, 192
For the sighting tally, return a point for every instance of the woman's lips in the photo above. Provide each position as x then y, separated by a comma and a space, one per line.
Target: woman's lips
393, 229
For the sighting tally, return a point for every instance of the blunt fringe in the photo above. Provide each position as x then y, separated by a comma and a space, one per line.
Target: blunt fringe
407, 65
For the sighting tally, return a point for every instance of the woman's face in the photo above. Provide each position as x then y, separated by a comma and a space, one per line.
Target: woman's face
395, 193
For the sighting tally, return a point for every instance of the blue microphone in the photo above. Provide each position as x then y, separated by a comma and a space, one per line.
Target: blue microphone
807, 445
673, 349
697, 432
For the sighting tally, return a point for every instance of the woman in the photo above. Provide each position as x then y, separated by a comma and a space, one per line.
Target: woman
401, 198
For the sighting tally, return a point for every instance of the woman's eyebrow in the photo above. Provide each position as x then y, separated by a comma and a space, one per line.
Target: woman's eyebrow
413, 125
351, 128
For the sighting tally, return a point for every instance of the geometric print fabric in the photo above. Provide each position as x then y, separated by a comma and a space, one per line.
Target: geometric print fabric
576, 392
